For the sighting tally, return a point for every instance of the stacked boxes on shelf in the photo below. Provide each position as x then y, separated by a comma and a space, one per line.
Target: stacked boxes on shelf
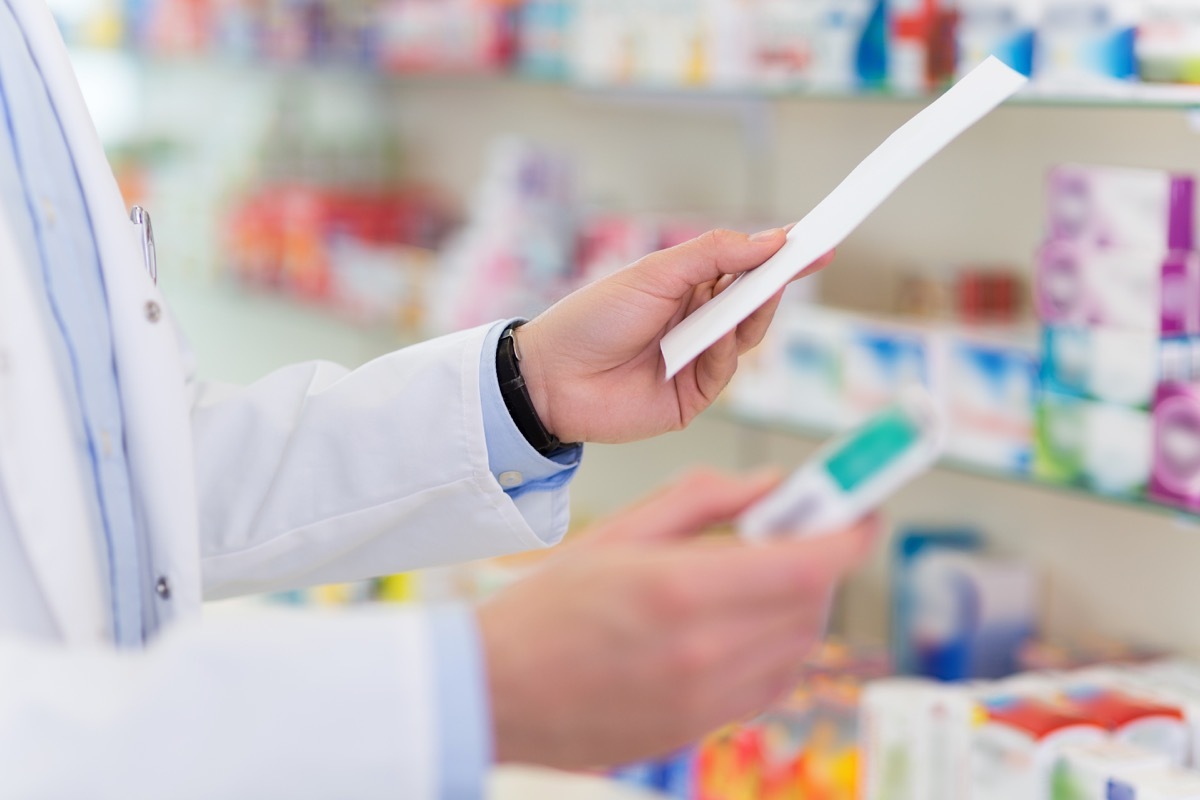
906, 46
1117, 288
1039, 736
850, 733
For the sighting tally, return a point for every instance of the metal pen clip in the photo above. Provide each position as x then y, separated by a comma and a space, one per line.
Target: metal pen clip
141, 218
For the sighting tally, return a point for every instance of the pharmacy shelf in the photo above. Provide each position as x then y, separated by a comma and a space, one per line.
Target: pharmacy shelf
1130, 95
814, 433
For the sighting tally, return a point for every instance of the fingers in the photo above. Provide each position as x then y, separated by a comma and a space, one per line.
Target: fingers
729, 574
689, 506
752, 330
674, 272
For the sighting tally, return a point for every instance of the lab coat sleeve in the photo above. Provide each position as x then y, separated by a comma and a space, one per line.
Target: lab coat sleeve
316, 474
279, 705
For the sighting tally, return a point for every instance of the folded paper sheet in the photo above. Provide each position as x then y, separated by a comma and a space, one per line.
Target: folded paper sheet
846, 207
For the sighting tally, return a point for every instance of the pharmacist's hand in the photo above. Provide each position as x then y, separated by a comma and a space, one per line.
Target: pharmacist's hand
592, 362
642, 637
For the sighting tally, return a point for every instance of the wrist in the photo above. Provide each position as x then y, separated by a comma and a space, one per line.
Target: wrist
527, 343
520, 380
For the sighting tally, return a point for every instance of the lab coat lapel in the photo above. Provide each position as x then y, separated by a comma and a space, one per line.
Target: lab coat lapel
38, 472
149, 368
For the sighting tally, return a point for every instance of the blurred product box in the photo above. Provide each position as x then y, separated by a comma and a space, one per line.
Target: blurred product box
882, 359
1135, 290
797, 374
1137, 209
1149, 724
446, 35
543, 28
1167, 785
922, 50
1114, 366
1176, 468
655, 42
970, 615
1100, 446
1006, 29
1084, 771
1168, 41
1139, 290
915, 739
911, 546
823, 45
990, 391
1085, 43
1015, 750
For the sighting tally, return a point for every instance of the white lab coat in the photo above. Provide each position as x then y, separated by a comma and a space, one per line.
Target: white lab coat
311, 475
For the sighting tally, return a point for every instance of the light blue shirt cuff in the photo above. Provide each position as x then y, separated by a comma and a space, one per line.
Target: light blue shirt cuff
464, 740
517, 466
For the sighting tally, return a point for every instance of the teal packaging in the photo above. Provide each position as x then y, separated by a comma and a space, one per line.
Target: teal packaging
1121, 367
542, 29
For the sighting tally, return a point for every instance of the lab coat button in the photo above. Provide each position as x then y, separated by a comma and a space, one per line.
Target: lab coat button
153, 311
511, 480
163, 589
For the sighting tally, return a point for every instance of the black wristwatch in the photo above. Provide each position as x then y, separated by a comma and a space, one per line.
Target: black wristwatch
517, 399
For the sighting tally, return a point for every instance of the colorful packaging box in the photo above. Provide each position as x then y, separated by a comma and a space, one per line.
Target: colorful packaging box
990, 392
797, 374
1084, 771
921, 47
1104, 447
1015, 751
1145, 723
883, 359
1168, 41
914, 740
1140, 290
1169, 785
971, 614
542, 30
1006, 29
1113, 366
822, 45
1082, 43
1176, 467
1138, 209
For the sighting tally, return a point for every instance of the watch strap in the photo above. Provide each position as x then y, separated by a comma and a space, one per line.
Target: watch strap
517, 400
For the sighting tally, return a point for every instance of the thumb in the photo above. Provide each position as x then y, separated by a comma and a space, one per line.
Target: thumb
687, 507
676, 271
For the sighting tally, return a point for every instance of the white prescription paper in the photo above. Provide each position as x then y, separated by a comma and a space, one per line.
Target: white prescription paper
846, 207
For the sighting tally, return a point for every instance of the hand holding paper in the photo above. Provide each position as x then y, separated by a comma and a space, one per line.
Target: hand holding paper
847, 207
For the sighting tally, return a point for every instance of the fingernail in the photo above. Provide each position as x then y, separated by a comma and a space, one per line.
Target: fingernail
766, 236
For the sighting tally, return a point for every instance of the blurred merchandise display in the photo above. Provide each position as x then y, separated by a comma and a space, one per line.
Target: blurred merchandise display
530, 240
957, 612
1111, 402
851, 733
902, 46
369, 255
805, 747
1117, 286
